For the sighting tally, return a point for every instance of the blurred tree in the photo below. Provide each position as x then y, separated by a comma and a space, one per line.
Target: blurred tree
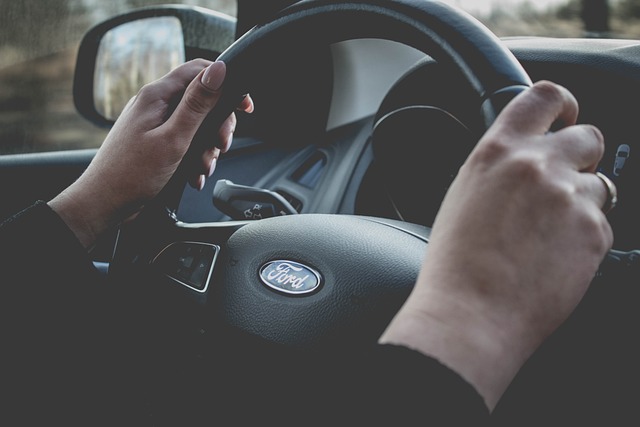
595, 15
570, 10
628, 9
38, 27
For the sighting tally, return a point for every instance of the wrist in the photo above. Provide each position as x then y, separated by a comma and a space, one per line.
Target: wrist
485, 350
86, 218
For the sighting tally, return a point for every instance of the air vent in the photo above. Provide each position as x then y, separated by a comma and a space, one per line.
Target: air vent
309, 173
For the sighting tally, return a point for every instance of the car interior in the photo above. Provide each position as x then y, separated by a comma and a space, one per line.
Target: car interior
363, 114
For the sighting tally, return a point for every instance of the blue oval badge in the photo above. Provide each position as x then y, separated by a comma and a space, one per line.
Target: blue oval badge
289, 277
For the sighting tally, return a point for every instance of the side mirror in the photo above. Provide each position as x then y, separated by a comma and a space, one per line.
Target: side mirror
120, 55
131, 55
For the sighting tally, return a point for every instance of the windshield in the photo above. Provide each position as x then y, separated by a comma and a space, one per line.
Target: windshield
39, 40
557, 18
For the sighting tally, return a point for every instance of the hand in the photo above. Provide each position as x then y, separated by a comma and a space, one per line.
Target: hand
517, 240
144, 148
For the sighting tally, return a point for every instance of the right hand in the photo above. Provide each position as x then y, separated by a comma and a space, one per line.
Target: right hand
145, 146
515, 245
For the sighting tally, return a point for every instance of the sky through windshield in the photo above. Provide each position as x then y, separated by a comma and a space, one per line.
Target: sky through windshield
485, 6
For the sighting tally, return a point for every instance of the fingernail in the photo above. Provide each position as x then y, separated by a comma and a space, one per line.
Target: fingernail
250, 107
214, 75
225, 147
201, 182
212, 167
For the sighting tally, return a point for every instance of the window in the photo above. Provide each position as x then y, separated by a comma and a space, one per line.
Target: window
38, 44
39, 40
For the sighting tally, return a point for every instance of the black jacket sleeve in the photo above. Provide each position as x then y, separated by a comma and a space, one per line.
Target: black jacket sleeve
419, 388
45, 272
379, 385
50, 299
70, 351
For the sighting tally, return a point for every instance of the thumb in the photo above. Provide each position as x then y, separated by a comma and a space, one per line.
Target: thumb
198, 100
534, 111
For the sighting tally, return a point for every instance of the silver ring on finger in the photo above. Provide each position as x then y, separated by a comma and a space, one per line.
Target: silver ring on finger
612, 193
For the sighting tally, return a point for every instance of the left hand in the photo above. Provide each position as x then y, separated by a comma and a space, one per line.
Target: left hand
515, 245
144, 148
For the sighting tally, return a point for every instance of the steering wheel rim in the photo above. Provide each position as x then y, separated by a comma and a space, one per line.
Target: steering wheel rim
434, 28
352, 303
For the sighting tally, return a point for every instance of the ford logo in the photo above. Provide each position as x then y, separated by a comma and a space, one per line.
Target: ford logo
289, 277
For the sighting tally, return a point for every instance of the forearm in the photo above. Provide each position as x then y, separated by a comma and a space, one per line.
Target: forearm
41, 254
49, 290
478, 336
87, 215
481, 355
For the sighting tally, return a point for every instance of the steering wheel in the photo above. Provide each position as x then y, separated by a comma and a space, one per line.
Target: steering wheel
311, 279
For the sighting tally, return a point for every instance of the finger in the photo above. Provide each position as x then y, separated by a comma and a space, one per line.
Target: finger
597, 193
199, 98
534, 111
610, 192
581, 146
210, 157
225, 134
206, 168
198, 181
247, 104
129, 104
600, 192
175, 82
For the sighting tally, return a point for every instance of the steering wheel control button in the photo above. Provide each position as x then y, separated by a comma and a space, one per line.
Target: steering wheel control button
188, 263
290, 277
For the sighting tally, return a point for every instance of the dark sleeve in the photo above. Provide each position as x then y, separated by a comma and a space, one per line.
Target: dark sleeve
452, 400
50, 303
43, 265
379, 385
60, 353
394, 385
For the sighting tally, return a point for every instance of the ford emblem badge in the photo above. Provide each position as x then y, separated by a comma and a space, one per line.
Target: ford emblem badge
289, 277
